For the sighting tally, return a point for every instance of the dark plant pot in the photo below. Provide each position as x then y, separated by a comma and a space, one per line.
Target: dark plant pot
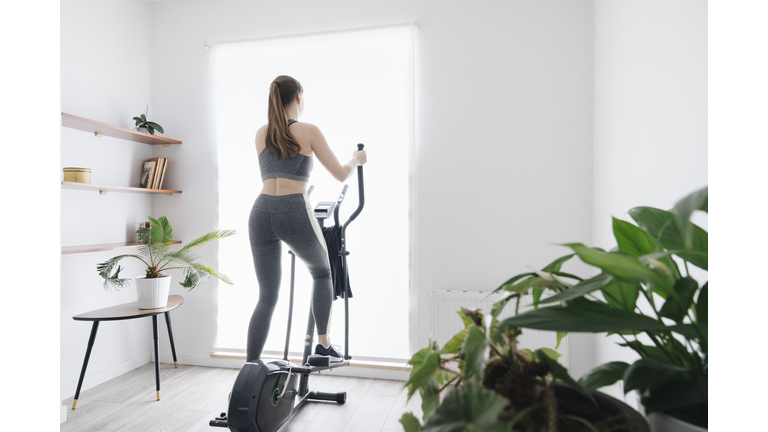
573, 402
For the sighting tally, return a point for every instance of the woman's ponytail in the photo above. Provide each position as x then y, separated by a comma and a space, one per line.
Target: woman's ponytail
279, 140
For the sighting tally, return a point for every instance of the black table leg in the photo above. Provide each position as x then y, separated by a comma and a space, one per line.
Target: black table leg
170, 335
157, 359
94, 328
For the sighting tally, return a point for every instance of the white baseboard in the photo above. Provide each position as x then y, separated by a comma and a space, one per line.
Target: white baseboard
62, 413
94, 378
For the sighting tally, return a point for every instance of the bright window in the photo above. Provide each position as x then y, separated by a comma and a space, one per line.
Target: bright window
358, 88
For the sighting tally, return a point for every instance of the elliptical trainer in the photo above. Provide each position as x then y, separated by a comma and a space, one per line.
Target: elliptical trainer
264, 395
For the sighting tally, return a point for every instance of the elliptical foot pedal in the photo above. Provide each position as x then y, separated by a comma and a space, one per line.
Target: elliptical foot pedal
316, 360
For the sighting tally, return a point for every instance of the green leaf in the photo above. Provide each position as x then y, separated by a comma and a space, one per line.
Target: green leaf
675, 395
421, 374
453, 345
418, 358
622, 295
648, 373
430, 398
211, 236
584, 316
474, 348
662, 226
114, 280
676, 307
646, 351
499, 306
554, 355
701, 305
621, 265
604, 375
557, 264
410, 423
512, 280
444, 377
156, 126
684, 209
536, 294
465, 319
632, 239
690, 331
191, 279
581, 289
469, 408
560, 336
143, 118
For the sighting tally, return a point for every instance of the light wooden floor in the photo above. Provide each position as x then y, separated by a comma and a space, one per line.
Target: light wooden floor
193, 395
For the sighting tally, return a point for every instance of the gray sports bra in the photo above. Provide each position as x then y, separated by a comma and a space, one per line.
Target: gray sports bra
296, 168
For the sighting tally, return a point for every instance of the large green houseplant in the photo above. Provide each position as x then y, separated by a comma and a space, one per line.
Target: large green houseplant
646, 295
157, 257
489, 384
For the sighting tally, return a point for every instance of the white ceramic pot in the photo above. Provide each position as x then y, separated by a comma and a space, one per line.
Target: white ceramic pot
142, 130
153, 293
664, 423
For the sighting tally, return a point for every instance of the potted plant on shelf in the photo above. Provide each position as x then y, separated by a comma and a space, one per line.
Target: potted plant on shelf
496, 387
144, 126
153, 288
643, 296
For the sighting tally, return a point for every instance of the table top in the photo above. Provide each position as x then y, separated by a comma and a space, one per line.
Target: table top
128, 311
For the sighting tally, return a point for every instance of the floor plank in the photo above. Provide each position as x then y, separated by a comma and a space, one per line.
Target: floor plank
333, 417
371, 414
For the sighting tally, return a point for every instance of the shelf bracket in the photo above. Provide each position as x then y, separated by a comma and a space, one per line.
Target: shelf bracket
169, 194
166, 145
98, 134
103, 191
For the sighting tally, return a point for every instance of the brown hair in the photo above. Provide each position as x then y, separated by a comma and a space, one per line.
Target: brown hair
283, 91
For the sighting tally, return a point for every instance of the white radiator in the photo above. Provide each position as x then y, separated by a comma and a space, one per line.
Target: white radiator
446, 322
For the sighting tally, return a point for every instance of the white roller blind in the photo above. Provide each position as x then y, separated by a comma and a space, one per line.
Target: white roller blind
358, 88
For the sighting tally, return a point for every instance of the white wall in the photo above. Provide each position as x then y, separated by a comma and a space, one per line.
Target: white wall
105, 76
504, 130
650, 116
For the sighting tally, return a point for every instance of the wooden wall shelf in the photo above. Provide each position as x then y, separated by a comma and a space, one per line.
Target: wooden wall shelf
120, 189
96, 128
101, 247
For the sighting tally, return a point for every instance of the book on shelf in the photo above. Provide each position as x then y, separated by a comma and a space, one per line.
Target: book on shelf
162, 174
147, 174
153, 173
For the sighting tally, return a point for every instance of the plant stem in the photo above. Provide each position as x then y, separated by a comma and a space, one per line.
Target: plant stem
448, 383
687, 272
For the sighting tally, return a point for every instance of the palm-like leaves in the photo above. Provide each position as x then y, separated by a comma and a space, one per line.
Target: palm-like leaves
156, 255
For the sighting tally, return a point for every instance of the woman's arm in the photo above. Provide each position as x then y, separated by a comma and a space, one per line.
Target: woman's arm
326, 156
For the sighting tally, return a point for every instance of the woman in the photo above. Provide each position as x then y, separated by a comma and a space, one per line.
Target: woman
282, 212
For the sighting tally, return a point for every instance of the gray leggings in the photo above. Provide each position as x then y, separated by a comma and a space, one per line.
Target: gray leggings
287, 218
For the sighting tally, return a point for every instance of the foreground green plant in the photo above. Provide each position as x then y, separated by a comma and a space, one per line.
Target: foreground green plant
506, 389
156, 255
642, 296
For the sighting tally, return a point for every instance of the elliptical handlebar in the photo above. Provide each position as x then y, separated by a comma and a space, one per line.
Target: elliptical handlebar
360, 191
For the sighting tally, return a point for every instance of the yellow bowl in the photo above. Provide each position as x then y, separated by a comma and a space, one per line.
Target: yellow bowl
78, 175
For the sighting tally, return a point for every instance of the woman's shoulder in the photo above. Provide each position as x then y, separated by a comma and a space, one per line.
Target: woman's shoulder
261, 132
309, 127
